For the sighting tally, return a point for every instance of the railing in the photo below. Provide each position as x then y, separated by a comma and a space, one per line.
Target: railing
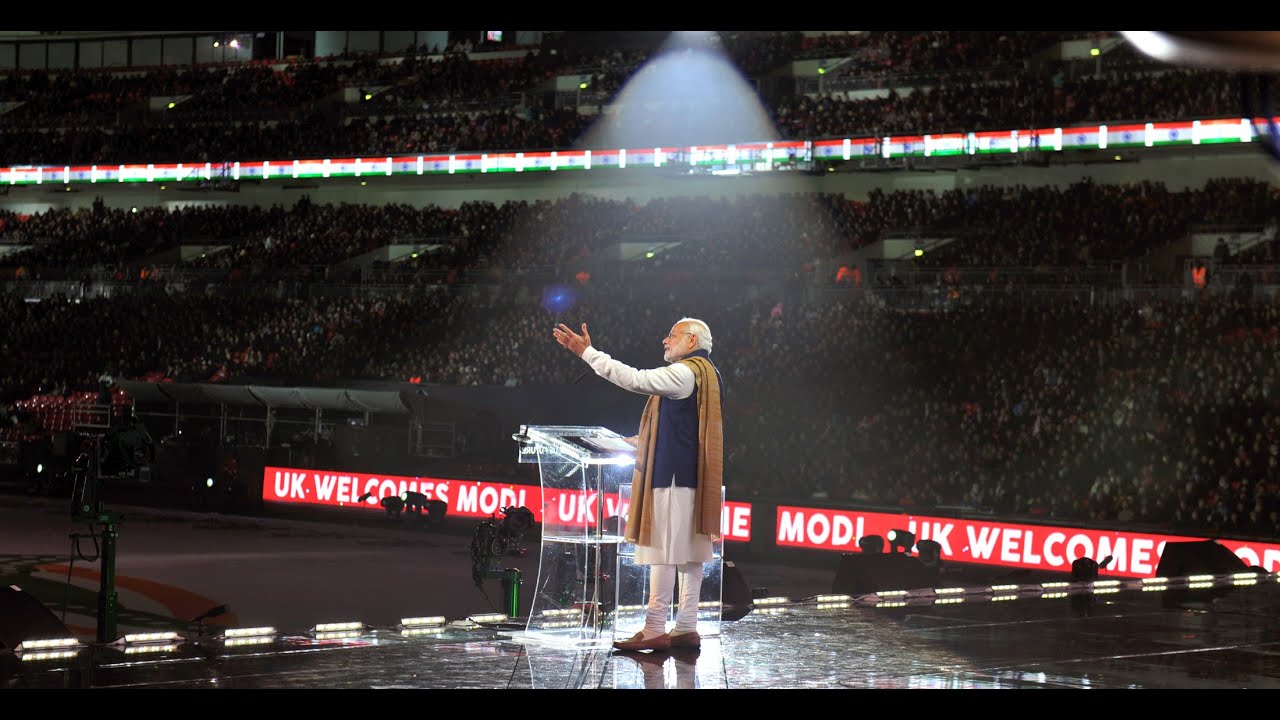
414, 107
906, 273
938, 299
850, 82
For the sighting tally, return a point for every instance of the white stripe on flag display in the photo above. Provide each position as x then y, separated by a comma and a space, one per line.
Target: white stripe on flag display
641, 158
609, 158
945, 145
1168, 134
1080, 138
829, 149
991, 142
1126, 135
748, 154
907, 145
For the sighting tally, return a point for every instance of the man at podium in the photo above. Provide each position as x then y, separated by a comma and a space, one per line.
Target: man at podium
676, 486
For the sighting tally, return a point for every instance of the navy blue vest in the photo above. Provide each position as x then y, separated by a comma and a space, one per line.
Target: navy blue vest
676, 456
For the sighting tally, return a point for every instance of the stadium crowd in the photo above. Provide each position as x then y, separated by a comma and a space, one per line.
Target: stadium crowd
1159, 410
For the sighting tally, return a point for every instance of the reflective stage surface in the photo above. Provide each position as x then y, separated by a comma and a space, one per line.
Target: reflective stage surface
1223, 633
1211, 638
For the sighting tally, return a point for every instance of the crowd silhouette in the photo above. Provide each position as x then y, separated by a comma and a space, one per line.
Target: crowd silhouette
1158, 409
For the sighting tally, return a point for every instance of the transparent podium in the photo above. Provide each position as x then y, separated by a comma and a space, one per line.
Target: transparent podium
589, 591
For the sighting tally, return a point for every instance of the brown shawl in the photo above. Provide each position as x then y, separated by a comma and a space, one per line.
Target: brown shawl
709, 493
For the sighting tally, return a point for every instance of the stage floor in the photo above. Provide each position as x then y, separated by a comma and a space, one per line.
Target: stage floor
1224, 635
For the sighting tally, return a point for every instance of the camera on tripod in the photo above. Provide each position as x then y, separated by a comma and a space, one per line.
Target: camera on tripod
115, 453
497, 538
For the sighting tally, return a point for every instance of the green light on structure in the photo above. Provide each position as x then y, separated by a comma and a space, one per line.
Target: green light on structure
919, 252
1095, 52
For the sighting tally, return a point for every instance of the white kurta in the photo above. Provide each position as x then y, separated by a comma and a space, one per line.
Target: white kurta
674, 541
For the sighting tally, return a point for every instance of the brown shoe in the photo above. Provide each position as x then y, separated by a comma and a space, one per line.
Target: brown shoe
689, 639
637, 642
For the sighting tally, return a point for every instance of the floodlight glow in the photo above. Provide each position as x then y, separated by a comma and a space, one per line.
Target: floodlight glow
49, 655
561, 612
47, 643
338, 635
421, 631
149, 648
335, 626
487, 618
249, 632
243, 641
150, 637
423, 621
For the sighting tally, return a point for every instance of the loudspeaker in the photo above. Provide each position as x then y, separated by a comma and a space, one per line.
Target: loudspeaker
735, 596
1200, 557
22, 617
861, 573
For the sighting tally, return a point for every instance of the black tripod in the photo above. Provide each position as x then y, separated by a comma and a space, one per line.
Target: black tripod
86, 507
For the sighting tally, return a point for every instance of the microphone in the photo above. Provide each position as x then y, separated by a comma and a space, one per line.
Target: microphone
580, 377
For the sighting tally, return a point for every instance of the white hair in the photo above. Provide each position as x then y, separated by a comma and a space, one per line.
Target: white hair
700, 330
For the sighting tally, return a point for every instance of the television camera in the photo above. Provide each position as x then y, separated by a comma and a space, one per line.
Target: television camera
112, 454
494, 538
115, 452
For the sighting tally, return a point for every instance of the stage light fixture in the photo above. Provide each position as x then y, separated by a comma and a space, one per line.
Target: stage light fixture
393, 505
1084, 569
338, 630
261, 631
871, 544
930, 552
488, 618
901, 541
424, 621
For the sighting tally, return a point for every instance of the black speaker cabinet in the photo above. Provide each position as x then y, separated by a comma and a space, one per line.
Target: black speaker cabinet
861, 573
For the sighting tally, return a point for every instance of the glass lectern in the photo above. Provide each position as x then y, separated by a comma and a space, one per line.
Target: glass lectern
589, 590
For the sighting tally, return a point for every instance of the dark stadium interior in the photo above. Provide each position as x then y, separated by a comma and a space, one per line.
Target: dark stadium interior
1025, 281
